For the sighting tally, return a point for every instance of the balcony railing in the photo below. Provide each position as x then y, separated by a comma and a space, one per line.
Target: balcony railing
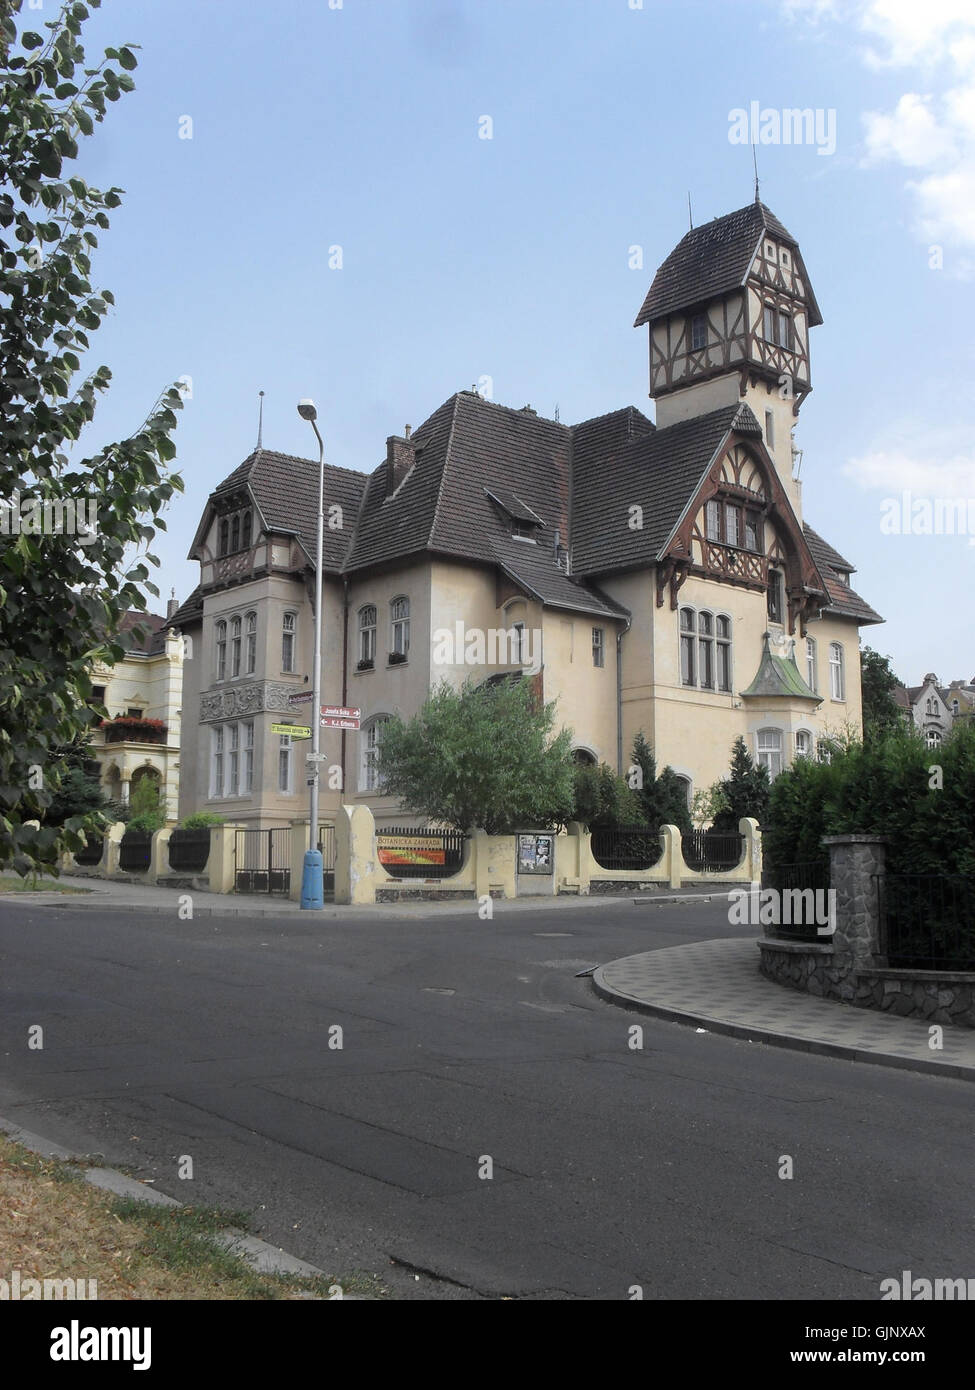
125, 729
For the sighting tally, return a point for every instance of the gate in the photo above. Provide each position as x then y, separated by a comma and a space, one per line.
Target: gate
262, 861
326, 843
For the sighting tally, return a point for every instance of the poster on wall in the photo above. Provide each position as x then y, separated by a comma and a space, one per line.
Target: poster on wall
536, 854
395, 850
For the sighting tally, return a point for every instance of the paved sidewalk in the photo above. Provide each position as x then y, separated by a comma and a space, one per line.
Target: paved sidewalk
102, 895
717, 986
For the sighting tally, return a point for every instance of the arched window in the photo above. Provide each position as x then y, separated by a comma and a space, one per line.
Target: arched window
221, 650
399, 616
235, 647
247, 524
369, 741
224, 544
811, 677
803, 743
705, 647
289, 630
933, 738
705, 650
770, 751
235, 532
367, 637
250, 646
954, 706
837, 678
583, 758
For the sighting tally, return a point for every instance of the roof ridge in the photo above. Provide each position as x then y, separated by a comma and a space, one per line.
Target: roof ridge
435, 520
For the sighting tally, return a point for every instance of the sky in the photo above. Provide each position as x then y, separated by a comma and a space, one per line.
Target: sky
375, 203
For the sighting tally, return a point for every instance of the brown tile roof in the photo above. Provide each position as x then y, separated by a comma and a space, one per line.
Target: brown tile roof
285, 489
844, 602
150, 640
533, 567
190, 610
658, 470
714, 259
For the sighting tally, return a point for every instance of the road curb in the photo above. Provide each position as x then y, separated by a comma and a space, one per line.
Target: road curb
953, 1070
265, 1258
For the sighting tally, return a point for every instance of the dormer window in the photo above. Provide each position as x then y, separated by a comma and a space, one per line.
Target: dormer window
699, 332
235, 532
523, 530
523, 523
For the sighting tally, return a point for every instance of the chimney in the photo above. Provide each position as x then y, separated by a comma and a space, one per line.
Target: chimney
171, 606
400, 458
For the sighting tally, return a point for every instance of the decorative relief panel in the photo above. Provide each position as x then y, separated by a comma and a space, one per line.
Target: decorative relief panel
246, 699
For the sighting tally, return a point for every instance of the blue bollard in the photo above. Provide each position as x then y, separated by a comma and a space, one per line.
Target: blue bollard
312, 889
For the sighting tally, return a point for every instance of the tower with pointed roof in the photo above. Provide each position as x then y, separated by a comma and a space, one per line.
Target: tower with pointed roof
729, 314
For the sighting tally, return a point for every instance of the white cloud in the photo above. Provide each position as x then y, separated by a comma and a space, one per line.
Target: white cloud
934, 132
894, 471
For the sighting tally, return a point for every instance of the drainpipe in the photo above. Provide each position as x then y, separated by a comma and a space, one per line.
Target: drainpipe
620, 634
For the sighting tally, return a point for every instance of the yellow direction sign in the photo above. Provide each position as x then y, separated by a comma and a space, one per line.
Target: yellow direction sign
297, 731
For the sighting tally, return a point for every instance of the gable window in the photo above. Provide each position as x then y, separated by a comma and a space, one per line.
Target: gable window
785, 329
367, 637
769, 323
399, 612
235, 531
520, 646
372, 733
250, 650
598, 646
712, 520
954, 703
837, 681
803, 743
932, 705
221, 650
288, 632
811, 678
699, 332
224, 544
732, 524
246, 525
770, 751
775, 605
753, 531
235, 647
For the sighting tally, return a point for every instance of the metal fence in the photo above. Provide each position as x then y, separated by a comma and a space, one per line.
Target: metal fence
626, 847
711, 851
189, 850
927, 921
799, 910
408, 853
92, 852
262, 861
326, 843
135, 851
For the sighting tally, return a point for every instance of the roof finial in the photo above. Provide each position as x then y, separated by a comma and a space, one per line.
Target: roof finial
260, 421
755, 162
690, 219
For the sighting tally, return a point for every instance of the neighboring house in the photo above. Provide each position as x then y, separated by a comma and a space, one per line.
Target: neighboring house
933, 708
647, 577
142, 696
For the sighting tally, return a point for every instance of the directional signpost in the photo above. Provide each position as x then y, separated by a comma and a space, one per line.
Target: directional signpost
296, 731
340, 716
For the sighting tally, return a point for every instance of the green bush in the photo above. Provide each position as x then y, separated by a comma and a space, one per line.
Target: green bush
891, 787
602, 799
200, 820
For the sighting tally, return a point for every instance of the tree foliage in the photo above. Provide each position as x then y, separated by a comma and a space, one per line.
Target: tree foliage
744, 792
881, 713
602, 798
663, 796
482, 756
62, 596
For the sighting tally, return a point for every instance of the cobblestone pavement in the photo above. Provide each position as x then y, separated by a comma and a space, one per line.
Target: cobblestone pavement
717, 986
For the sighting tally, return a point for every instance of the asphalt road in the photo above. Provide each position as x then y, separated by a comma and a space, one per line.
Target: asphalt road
466, 1041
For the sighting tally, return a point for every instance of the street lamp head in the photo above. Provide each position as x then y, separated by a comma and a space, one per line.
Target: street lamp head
306, 409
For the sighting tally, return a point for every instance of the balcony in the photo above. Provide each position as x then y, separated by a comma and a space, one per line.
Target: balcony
731, 562
126, 729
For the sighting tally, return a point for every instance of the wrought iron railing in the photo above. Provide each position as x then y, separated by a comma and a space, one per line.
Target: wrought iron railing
927, 921
135, 850
189, 850
711, 851
626, 847
800, 908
